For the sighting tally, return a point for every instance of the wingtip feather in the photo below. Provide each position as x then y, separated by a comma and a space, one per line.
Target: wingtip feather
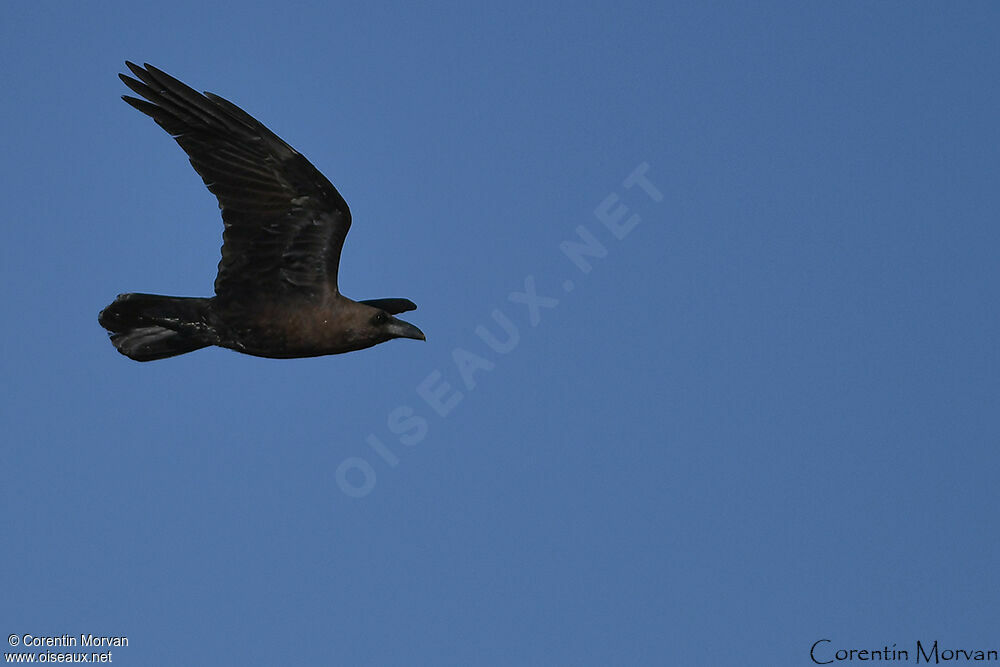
135, 69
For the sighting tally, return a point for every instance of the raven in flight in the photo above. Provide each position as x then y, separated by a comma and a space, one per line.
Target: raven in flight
276, 291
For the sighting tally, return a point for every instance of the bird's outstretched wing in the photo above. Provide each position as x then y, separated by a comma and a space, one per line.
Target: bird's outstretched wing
285, 223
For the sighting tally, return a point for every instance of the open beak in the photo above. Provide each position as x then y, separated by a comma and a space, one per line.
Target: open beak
406, 330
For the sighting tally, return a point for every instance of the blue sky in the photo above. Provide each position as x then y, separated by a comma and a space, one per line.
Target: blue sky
766, 416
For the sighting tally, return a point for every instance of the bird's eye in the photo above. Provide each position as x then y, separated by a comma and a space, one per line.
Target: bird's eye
381, 318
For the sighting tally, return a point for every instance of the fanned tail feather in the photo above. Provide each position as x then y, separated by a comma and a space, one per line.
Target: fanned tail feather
146, 327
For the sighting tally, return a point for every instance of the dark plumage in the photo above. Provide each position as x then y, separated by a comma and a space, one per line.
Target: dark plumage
276, 291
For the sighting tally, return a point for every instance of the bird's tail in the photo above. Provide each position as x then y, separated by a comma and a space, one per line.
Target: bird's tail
146, 327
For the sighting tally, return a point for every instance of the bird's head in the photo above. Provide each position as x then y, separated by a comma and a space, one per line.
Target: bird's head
355, 325
386, 327
367, 323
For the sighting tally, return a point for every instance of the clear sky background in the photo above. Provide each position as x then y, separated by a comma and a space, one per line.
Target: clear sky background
768, 415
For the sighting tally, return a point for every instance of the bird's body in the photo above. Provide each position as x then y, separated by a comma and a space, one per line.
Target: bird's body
276, 292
